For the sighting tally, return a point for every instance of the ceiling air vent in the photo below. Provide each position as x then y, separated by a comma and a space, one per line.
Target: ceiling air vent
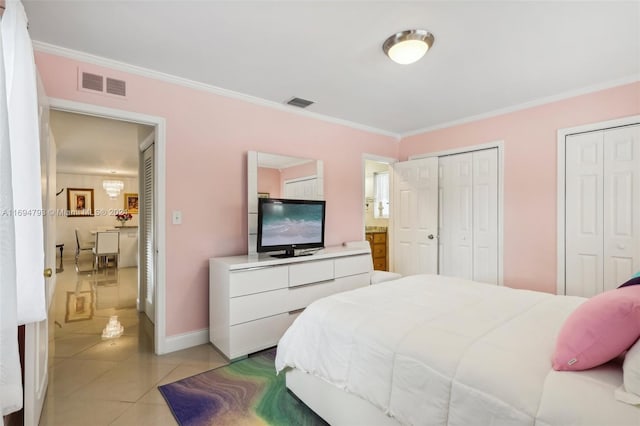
92, 81
299, 102
116, 87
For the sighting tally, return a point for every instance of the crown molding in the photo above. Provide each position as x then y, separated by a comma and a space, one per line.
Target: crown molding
157, 75
541, 101
145, 72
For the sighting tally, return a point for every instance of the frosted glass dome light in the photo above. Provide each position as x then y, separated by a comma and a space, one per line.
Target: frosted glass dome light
408, 46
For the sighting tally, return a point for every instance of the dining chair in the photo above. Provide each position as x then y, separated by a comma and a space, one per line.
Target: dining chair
82, 245
107, 246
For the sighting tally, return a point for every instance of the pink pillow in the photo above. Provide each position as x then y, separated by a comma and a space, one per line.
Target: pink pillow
599, 330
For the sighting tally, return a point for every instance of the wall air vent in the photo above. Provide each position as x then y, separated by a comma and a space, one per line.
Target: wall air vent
96, 83
92, 82
299, 102
116, 87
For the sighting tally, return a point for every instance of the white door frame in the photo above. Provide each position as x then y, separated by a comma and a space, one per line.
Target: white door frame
560, 217
159, 123
380, 159
499, 144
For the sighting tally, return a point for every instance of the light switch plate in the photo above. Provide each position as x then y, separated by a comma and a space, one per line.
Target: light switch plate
176, 217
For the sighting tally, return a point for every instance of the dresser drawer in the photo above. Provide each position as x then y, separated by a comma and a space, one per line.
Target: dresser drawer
259, 305
301, 296
379, 237
379, 250
380, 264
310, 272
257, 280
353, 281
352, 265
257, 335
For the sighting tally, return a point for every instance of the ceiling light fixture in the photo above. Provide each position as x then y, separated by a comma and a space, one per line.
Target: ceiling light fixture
112, 187
407, 47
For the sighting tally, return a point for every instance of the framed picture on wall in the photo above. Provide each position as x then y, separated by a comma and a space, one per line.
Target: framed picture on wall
80, 202
131, 202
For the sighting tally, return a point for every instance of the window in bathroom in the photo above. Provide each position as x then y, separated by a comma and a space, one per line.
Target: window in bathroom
381, 188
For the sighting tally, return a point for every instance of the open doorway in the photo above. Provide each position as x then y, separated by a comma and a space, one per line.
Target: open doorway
99, 163
377, 208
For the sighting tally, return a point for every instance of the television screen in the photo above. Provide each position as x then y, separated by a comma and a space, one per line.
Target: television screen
289, 224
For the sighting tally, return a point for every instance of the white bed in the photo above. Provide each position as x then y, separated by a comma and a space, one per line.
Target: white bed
444, 351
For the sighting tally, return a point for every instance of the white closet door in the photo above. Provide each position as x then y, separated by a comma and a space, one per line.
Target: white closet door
457, 215
485, 216
415, 213
584, 214
445, 264
301, 189
621, 205
602, 209
469, 215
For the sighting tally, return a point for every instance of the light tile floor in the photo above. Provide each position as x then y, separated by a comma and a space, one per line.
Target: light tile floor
110, 382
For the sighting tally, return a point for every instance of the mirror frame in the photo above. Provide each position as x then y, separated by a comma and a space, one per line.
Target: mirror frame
252, 195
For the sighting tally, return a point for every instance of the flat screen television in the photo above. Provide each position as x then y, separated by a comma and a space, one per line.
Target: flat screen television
287, 224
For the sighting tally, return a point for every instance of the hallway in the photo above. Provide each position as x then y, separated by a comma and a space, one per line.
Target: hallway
109, 381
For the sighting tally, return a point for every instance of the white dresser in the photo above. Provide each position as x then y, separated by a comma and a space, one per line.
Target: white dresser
253, 299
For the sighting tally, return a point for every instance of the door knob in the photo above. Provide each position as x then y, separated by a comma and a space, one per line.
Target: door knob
430, 236
48, 273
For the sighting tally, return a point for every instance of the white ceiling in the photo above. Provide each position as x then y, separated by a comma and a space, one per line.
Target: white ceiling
96, 146
487, 56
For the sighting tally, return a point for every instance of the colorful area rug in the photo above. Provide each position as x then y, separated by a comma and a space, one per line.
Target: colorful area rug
247, 392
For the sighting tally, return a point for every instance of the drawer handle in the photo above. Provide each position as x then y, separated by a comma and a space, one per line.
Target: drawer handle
253, 268
313, 283
297, 311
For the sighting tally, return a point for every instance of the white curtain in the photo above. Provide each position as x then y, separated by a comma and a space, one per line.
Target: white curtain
21, 235
10, 380
381, 185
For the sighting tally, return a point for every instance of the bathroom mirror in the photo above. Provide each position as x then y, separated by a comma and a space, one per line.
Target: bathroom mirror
279, 176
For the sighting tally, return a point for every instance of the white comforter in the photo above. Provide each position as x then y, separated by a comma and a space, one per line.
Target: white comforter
444, 351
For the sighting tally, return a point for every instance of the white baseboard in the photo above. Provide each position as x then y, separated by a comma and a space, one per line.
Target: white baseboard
185, 341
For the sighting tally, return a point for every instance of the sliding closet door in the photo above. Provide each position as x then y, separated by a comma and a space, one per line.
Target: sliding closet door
602, 196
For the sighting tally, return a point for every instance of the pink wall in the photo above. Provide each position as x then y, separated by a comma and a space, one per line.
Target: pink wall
208, 137
530, 168
269, 181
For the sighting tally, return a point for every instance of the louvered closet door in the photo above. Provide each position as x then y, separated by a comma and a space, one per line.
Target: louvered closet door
147, 237
602, 224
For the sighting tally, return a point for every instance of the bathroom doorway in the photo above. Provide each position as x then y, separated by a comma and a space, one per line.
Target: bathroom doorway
377, 208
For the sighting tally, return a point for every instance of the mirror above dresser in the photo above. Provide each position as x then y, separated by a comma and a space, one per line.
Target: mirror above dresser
279, 176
